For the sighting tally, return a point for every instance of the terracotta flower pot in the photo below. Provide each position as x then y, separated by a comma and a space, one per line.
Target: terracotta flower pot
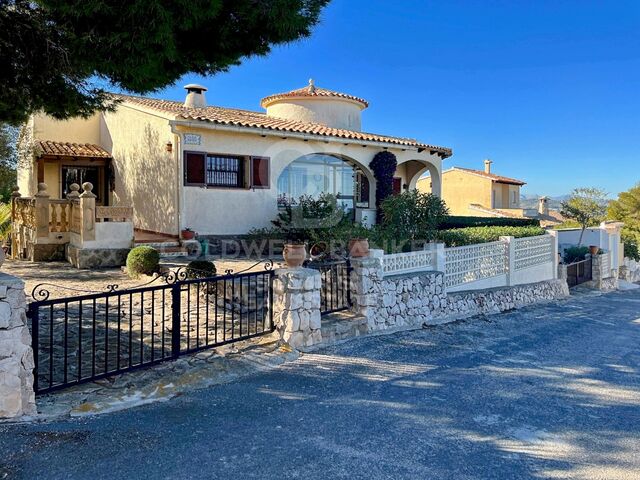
359, 247
294, 254
187, 234
593, 249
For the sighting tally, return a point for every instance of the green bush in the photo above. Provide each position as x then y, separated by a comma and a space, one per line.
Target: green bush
631, 251
200, 269
464, 222
142, 260
458, 237
413, 216
575, 254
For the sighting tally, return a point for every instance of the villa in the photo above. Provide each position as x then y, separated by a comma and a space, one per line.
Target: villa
220, 171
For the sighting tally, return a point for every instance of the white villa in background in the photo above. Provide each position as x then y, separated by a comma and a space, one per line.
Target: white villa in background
221, 171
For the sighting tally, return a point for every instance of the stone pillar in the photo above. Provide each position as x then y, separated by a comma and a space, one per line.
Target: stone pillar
296, 306
365, 284
88, 213
42, 211
556, 255
16, 356
510, 259
562, 272
439, 257
15, 194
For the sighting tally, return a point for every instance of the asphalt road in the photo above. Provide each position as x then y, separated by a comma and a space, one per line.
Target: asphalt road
544, 392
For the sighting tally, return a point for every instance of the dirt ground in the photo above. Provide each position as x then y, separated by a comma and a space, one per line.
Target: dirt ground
63, 279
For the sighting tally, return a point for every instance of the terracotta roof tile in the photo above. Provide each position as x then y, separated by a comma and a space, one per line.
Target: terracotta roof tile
68, 149
259, 120
497, 178
310, 92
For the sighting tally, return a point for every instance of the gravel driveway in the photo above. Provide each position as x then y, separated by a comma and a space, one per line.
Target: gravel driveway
544, 392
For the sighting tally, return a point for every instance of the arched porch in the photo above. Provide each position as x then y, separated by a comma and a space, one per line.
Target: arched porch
411, 171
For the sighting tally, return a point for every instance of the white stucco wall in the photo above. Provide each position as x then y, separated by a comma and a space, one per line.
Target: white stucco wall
75, 130
146, 174
339, 113
224, 211
110, 235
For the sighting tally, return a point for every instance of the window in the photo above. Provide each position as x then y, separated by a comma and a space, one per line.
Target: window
223, 171
362, 188
515, 198
317, 173
216, 170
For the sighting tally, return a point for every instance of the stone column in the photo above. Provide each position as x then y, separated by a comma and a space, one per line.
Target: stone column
510, 259
15, 195
296, 306
88, 213
42, 211
16, 356
366, 289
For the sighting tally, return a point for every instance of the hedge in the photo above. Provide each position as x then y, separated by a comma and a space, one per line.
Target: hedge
458, 237
464, 222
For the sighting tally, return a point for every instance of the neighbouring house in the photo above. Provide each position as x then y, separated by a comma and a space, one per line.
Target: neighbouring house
479, 193
220, 171
482, 193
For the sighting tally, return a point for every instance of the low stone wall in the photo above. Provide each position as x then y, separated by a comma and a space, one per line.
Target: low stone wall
481, 302
16, 357
297, 306
630, 271
97, 257
414, 299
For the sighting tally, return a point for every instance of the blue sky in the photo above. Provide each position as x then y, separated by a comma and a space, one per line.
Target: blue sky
549, 90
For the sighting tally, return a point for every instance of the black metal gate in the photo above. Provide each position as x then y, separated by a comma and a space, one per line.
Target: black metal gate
579, 272
335, 292
87, 337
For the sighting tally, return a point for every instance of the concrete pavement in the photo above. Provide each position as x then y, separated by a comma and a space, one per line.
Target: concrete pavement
545, 392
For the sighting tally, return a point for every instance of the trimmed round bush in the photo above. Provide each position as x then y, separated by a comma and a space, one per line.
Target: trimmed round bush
142, 260
200, 269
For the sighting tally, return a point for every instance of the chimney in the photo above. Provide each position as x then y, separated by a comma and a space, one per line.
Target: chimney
543, 206
487, 166
195, 96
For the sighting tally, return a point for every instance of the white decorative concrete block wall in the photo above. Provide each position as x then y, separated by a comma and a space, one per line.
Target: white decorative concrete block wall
17, 397
296, 306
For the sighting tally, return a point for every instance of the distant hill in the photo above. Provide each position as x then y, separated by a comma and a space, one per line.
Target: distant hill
531, 201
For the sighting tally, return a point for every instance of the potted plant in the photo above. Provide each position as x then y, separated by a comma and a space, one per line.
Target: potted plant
594, 250
295, 249
359, 243
187, 234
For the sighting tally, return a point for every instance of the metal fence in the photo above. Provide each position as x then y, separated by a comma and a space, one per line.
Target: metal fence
335, 292
87, 337
579, 272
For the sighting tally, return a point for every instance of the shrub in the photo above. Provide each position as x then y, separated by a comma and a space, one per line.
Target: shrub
464, 222
412, 216
142, 260
631, 251
458, 237
200, 269
383, 165
575, 254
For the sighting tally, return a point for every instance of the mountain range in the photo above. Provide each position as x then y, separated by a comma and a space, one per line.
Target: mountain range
531, 201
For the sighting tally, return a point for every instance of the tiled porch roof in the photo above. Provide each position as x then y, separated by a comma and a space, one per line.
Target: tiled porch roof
258, 120
68, 149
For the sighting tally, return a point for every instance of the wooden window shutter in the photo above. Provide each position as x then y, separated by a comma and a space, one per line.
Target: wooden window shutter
397, 185
194, 168
260, 172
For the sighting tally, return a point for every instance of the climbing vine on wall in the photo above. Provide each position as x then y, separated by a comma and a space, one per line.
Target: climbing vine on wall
383, 166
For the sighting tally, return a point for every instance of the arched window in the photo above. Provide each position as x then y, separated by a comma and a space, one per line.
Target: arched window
318, 173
